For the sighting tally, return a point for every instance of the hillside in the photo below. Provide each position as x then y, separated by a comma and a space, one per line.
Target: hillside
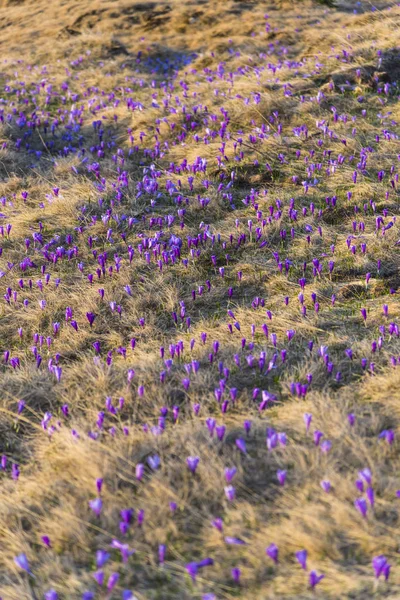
200, 300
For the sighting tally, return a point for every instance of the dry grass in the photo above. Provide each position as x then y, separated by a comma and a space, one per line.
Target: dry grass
187, 54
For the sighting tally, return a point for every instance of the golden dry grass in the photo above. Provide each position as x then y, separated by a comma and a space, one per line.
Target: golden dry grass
59, 467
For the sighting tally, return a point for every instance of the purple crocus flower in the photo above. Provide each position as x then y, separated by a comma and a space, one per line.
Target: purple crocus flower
57, 372
154, 462
128, 595
22, 562
192, 569
273, 552
281, 475
361, 506
236, 574
359, 485
139, 471
230, 492
314, 579
326, 485
126, 552
96, 505
366, 475
90, 317
101, 558
247, 426
326, 446
220, 431
307, 420
241, 444
218, 523
15, 471
112, 581
381, 566
210, 423
192, 462
99, 577
234, 541
230, 473
317, 437
301, 556
370, 496
161, 553
388, 435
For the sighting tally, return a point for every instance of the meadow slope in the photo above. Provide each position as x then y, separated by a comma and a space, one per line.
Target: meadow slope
199, 315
